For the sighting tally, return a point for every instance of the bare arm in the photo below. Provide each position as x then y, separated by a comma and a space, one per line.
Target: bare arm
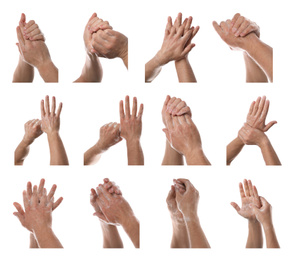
48, 72
180, 237
47, 239
172, 157
111, 236
92, 70
131, 228
233, 149
253, 72
255, 238
196, 234
197, 157
58, 155
184, 71
33, 241
269, 154
23, 72
92, 155
21, 152
134, 153
152, 69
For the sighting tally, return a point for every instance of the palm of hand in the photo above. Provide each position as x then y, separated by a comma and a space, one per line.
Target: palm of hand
245, 210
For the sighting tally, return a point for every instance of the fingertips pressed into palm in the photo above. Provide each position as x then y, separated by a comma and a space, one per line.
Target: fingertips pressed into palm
245, 210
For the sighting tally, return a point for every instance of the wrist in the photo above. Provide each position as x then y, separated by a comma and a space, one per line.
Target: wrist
267, 225
249, 43
27, 141
100, 147
160, 60
264, 141
52, 134
193, 152
41, 230
43, 66
134, 141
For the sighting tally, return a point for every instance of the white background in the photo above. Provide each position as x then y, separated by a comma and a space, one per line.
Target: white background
219, 102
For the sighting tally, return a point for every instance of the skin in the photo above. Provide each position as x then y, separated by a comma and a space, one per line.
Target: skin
92, 70
109, 136
255, 119
111, 236
117, 211
35, 52
175, 47
180, 237
184, 137
264, 216
249, 196
187, 203
50, 120
32, 132
131, 127
174, 106
110, 44
242, 34
37, 215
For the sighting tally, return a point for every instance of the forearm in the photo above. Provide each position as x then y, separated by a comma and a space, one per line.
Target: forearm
197, 157
233, 149
33, 242
262, 54
24, 72
21, 152
152, 69
48, 72
253, 72
131, 228
270, 237
134, 153
255, 237
180, 237
172, 157
58, 154
47, 239
111, 236
269, 155
184, 71
92, 155
196, 234
92, 70
124, 58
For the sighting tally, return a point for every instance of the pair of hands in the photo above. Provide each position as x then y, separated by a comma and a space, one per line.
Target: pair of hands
109, 205
237, 31
182, 201
130, 126
177, 40
31, 43
253, 131
49, 123
102, 40
180, 130
253, 206
38, 206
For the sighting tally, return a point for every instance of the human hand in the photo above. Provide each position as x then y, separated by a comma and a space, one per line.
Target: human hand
182, 134
94, 24
109, 44
252, 136
131, 124
112, 188
36, 215
249, 195
176, 107
226, 34
175, 46
109, 136
241, 26
258, 113
264, 213
114, 207
32, 130
30, 30
50, 121
187, 198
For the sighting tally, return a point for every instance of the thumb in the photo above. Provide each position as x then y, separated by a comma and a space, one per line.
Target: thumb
269, 125
254, 208
236, 206
166, 131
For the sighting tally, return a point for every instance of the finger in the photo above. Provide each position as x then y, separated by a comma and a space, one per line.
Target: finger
22, 19
187, 184
178, 107
242, 28
251, 108
39, 37
247, 30
246, 187
20, 38
167, 101
26, 200
43, 200
121, 109
187, 36
250, 188
235, 206
183, 111
218, 29
42, 108
188, 119
41, 186
127, 107
53, 106
178, 21
29, 189
92, 16
57, 203
173, 105
47, 110
30, 31
188, 23
235, 18
242, 192
58, 112
168, 26
19, 208
104, 192
264, 202
255, 192
265, 109
175, 121
140, 112
134, 107
237, 24
181, 120
256, 106
52, 191
169, 121
269, 125
34, 199
187, 49
30, 24
261, 106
